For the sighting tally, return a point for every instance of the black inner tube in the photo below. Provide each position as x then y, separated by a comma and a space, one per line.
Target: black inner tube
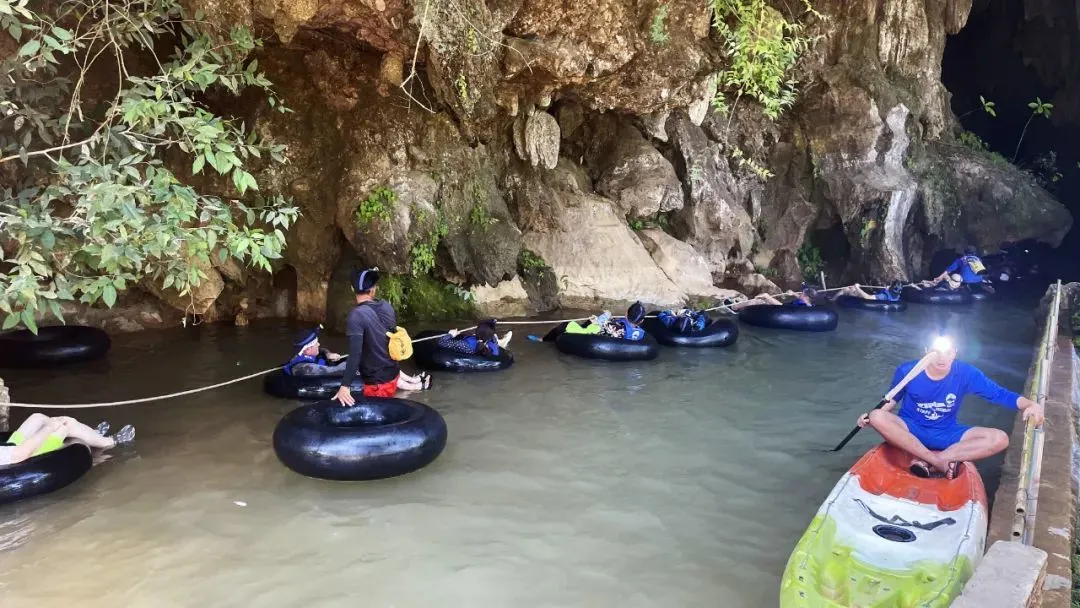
429, 355
53, 345
946, 297
280, 384
43, 474
375, 439
875, 305
718, 333
592, 346
797, 318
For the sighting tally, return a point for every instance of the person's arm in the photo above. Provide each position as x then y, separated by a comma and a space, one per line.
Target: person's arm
986, 388
356, 347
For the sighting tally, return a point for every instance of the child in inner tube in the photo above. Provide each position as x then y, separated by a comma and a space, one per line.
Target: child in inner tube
623, 328
889, 294
311, 359
39, 434
484, 341
684, 320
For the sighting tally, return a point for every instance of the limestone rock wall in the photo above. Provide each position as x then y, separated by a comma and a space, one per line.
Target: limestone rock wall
563, 128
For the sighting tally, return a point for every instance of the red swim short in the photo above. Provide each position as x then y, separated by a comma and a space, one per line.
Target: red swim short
386, 389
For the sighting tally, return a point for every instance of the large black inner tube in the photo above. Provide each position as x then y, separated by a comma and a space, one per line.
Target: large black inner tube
864, 304
53, 345
374, 439
798, 318
43, 474
280, 384
429, 355
592, 346
946, 297
718, 333
978, 292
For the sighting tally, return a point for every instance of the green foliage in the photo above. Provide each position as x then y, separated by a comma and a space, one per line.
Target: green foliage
766, 271
810, 262
1038, 108
92, 206
976, 143
462, 86
636, 223
763, 47
530, 263
658, 29
749, 164
988, 107
868, 228
377, 206
423, 252
425, 298
478, 214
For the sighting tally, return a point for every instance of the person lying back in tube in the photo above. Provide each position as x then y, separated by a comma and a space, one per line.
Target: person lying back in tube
684, 320
484, 341
804, 298
889, 294
39, 434
623, 328
926, 425
311, 359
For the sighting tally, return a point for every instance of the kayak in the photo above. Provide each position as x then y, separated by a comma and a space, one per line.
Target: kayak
886, 538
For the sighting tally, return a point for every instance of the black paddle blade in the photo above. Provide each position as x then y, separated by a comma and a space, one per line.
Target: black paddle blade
855, 430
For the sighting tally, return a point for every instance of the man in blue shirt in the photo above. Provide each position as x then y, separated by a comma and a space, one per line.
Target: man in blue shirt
969, 266
926, 425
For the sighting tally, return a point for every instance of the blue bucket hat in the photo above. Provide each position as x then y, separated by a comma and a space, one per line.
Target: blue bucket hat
364, 280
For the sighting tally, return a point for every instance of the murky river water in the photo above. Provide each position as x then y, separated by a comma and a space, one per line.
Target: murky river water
565, 483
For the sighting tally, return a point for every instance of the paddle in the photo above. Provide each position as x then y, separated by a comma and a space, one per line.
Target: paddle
915, 371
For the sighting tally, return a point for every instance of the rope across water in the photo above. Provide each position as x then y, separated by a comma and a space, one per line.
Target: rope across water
77, 406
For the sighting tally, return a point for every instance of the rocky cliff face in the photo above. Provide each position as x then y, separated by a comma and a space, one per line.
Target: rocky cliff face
450, 134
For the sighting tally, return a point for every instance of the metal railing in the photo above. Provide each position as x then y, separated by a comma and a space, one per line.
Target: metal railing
1027, 488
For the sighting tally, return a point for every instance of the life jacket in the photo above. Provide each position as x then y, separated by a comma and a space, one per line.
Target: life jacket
630, 331
887, 295
700, 320
974, 263
319, 359
800, 303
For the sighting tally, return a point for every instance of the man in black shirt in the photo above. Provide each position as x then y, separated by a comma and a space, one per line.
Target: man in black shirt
369, 351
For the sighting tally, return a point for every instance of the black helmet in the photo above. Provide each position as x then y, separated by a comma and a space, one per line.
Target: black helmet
896, 287
970, 250
364, 280
810, 292
636, 313
306, 337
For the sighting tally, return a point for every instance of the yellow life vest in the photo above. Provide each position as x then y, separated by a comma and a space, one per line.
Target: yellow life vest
400, 346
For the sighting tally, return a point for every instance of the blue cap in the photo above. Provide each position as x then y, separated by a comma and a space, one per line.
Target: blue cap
364, 280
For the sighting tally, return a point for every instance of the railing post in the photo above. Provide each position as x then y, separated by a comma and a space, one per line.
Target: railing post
5, 397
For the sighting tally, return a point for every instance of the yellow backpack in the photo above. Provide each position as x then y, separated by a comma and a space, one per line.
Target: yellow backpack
400, 346
975, 264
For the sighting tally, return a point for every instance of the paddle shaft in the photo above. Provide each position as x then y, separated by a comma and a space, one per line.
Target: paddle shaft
915, 371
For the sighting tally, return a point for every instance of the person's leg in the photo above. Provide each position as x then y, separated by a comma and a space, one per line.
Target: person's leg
410, 383
73, 430
976, 443
895, 431
28, 428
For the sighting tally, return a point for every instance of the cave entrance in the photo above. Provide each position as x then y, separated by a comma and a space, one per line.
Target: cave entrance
829, 247
1014, 53
284, 298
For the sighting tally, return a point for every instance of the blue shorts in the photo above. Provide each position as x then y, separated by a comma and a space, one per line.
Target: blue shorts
937, 438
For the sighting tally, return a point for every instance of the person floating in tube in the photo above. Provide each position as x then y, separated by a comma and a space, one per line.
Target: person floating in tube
368, 326
311, 359
889, 294
40, 434
926, 425
804, 298
623, 328
684, 320
965, 271
484, 341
